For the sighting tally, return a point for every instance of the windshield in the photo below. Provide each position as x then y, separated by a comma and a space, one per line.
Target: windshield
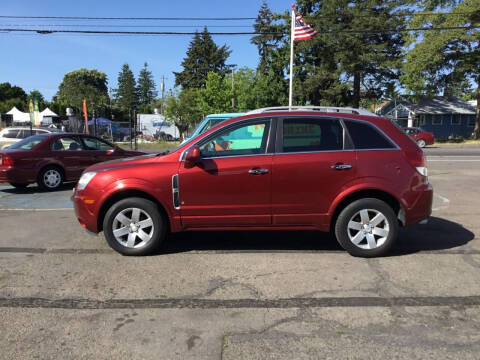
28, 143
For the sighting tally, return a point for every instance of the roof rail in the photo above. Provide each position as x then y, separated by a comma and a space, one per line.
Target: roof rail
332, 109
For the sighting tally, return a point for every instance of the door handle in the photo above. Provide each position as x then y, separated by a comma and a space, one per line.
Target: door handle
258, 171
341, 166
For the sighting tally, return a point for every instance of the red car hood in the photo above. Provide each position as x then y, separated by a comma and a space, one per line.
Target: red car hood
122, 163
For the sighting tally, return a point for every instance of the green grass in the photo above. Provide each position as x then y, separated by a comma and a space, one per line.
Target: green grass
466, 142
160, 145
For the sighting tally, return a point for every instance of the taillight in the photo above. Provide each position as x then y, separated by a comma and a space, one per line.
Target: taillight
417, 160
6, 160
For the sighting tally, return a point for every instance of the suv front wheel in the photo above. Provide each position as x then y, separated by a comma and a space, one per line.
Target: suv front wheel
134, 226
367, 228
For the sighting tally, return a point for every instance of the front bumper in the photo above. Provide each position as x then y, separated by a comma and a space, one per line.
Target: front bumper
85, 213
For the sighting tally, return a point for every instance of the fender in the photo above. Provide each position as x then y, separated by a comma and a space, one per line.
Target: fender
365, 183
48, 162
162, 193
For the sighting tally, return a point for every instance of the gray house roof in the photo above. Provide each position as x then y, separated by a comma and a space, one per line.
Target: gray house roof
441, 105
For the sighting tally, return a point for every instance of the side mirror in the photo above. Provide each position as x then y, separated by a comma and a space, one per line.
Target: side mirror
192, 157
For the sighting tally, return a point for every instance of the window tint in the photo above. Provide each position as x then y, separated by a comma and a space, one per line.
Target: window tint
365, 136
301, 135
96, 144
66, 144
29, 143
243, 140
11, 134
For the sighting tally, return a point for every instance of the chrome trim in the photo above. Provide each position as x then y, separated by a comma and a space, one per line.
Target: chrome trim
332, 109
175, 192
233, 156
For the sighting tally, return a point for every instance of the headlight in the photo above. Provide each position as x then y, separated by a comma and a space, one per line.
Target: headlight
85, 179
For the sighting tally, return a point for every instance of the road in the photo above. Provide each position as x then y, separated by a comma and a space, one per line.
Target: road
243, 295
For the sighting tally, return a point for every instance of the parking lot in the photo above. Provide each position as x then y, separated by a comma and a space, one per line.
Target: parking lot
243, 295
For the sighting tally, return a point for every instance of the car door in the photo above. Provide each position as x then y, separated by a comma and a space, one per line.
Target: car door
231, 184
68, 150
313, 163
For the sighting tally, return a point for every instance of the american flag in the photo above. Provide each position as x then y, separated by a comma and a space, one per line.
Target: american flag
302, 31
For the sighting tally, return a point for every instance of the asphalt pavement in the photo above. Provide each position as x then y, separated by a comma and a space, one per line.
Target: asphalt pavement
243, 295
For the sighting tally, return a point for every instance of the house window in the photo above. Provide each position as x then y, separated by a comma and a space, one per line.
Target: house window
437, 120
456, 119
471, 121
421, 120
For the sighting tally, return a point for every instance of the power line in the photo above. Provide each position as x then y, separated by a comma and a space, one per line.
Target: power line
405, 14
52, 31
131, 26
129, 18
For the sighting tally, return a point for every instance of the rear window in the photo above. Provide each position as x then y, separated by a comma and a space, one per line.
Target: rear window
365, 136
28, 143
10, 134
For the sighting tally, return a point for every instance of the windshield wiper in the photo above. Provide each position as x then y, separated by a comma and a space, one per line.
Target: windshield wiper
163, 153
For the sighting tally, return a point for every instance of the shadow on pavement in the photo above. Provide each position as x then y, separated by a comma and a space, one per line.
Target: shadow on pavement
439, 234
34, 189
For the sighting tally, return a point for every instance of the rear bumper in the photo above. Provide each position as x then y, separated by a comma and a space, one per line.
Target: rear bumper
422, 207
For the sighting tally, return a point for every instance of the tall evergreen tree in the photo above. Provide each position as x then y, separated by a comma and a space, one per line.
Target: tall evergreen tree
268, 37
445, 60
203, 56
146, 89
126, 94
358, 52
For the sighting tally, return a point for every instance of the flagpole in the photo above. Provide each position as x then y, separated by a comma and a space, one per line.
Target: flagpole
292, 31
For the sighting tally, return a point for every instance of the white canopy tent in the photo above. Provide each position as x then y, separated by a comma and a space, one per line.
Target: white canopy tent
20, 116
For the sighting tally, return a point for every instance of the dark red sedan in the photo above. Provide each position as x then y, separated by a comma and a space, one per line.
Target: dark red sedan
52, 159
420, 136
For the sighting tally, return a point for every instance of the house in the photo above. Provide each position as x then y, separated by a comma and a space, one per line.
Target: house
442, 116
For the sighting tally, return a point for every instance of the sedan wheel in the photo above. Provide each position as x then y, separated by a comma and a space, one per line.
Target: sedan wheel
367, 227
134, 226
421, 143
50, 178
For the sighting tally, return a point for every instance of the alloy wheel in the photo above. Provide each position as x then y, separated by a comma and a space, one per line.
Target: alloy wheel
368, 229
133, 228
52, 178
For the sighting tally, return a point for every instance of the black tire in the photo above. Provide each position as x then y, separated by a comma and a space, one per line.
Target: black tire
19, 185
158, 231
45, 183
352, 212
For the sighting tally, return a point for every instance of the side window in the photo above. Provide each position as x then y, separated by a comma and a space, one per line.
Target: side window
96, 144
365, 136
22, 134
66, 144
304, 135
40, 132
248, 139
11, 134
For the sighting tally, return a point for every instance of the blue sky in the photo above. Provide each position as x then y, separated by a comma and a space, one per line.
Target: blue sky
34, 61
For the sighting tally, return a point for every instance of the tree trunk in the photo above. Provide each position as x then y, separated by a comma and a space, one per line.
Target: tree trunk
356, 89
476, 130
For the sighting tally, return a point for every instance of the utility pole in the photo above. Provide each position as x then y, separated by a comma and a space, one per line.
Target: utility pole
162, 88
233, 94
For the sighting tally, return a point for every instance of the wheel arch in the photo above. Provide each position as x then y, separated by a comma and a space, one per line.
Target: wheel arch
112, 199
388, 198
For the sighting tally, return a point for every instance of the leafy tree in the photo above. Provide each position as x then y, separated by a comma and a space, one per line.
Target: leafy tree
268, 38
11, 96
83, 84
35, 94
216, 97
203, 56
182, 109
445, 59
146, 89
126, 95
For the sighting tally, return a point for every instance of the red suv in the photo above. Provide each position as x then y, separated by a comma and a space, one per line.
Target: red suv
330, 169
420, 136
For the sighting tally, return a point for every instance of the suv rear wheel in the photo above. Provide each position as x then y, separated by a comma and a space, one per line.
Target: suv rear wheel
134, 226
421, 143
367, 228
